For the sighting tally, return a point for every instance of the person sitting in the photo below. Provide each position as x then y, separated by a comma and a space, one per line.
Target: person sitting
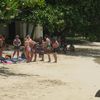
71, 48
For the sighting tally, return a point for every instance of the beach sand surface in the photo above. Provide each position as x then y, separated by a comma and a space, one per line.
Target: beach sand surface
72, 78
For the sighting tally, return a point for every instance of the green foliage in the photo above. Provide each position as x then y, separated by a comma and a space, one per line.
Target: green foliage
80, 16
68, 17
50, 17
28, 9
8, 9
32, 3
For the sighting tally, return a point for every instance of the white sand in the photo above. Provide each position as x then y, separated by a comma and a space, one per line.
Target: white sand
72, 78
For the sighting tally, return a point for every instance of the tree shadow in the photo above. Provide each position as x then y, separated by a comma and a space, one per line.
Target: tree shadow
85, 52
97, 60
87, 43
6, 72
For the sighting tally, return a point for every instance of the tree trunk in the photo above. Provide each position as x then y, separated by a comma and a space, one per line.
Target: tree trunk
38, 32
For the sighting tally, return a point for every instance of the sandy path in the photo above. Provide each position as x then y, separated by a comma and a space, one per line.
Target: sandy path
72, 78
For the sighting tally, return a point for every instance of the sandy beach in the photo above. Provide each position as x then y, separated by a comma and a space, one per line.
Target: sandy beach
74, 77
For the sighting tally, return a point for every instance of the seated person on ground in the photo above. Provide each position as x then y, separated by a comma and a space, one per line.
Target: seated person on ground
71, 48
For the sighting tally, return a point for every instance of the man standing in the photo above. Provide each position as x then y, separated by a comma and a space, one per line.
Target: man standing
48, 47
16, 43
55, 46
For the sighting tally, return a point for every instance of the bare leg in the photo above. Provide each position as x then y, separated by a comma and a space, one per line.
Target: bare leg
0, 53
55, 57
14, 53
32, 55
28, 57
49, 57
17, 53
35, 57
42, 57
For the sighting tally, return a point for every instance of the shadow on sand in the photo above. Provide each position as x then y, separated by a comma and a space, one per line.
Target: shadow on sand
85, 52
97, 60
95, 53
6, 72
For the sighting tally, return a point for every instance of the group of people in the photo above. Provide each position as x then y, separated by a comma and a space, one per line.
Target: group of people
32, 48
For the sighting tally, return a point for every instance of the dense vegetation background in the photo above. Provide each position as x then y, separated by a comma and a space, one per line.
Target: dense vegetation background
65, 18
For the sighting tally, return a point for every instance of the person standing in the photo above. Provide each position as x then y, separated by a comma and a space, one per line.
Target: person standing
48, 47
17, 44
1, 44
28, 48
55, 46
33, 49
42, 47
39, 48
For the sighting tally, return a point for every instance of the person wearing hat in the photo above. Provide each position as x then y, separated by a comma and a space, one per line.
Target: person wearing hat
17, 44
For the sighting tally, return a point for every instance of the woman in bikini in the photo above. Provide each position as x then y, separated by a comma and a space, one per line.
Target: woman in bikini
55, 46
28, 48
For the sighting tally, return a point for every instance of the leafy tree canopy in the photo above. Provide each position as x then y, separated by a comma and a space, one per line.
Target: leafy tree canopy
8, 9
